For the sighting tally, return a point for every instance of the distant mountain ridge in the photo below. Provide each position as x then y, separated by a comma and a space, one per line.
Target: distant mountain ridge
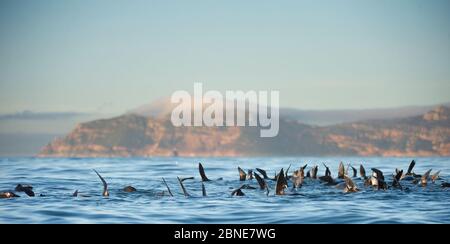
163, 107
136, 135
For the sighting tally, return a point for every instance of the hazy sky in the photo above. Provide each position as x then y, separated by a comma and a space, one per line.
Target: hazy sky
111, 56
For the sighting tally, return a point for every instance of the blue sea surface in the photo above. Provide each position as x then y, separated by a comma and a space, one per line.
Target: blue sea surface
57, 178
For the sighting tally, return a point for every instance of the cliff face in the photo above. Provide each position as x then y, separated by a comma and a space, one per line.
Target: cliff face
134, 135
425, 135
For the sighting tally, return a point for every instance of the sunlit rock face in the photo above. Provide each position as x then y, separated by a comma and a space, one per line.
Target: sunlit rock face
133, 135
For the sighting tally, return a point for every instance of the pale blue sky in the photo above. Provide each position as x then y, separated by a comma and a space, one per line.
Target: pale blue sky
111, 56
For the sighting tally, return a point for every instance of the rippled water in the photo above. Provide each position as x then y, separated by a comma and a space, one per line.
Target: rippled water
57, 179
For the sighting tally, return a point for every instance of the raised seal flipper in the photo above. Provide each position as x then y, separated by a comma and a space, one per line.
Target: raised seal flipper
281, 183
168, 189
362, 171
202, 172
203, 190
242, 174
410, 168
105, 185
263, 173
262, 183
186, 194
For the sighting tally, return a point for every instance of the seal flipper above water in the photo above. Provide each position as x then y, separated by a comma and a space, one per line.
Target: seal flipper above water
25, 188
314, 171
75, 193
362, 171
202, 172
105, 185
168, 189
397, 177
187, 178
354, 171
263, 173
203, 190
424, 178
262, 183
410, 168
242, 174
341, 171
281, 183
287, 171
327, 170
238, 192
186, 194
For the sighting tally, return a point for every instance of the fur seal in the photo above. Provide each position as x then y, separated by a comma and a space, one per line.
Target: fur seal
349, 185
435, 176
202, 172
396, 180
105, 185
298, 177
238, 192
245, 176
25, 188
445, 184
328, 179
186, 194
129, 189
377, 179
424, 178
250, 174
168, 189
327, 170
7, 194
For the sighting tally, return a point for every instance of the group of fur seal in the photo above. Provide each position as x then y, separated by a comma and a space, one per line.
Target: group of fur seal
344, 180
282, 180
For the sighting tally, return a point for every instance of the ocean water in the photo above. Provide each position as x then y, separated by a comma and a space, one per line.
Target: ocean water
57, 179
